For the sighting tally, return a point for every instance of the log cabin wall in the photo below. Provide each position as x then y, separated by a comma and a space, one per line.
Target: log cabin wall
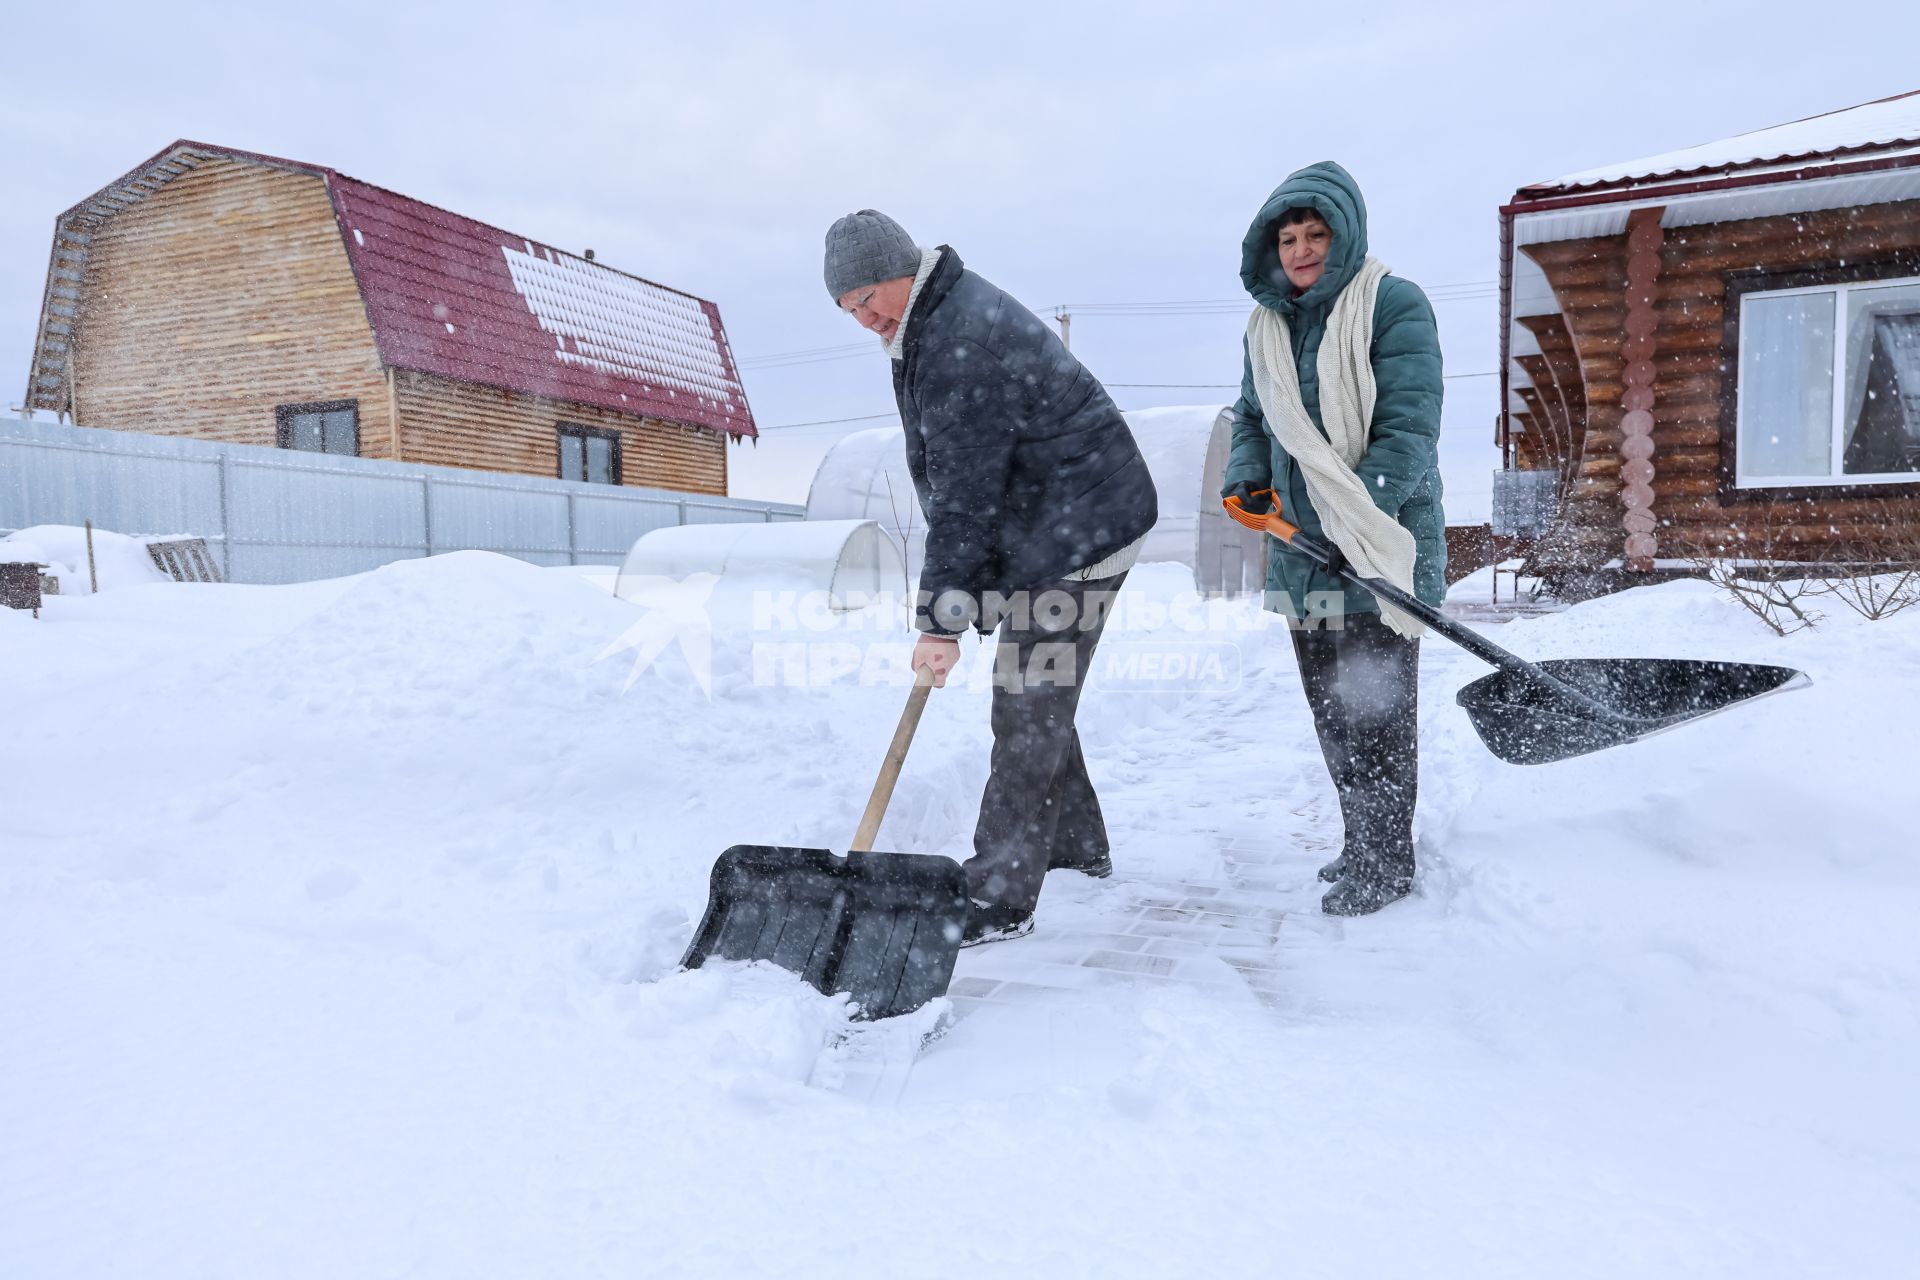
1695, 367
1589, 280
459, 424
1555, 374
223, 294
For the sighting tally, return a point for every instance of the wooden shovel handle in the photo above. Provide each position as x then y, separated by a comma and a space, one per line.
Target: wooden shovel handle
890, 767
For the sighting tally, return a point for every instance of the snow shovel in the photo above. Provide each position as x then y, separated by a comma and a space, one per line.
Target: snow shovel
1528, 713
882, 927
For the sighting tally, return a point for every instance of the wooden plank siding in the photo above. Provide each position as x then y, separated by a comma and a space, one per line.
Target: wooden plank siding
224, 293
228, 292
1695, 370
459, 424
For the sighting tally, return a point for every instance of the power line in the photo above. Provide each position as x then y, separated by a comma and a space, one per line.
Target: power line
828, 422
1227, 386
1458, 292
1129, 386
1465, 292
816, 355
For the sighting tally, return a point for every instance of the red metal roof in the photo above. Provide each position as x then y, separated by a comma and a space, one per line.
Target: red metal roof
459, 299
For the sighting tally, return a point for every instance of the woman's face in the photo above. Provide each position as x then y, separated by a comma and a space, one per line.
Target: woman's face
1303, 252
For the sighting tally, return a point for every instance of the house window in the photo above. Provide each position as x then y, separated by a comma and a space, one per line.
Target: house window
331, 426
591, 454
1829, 385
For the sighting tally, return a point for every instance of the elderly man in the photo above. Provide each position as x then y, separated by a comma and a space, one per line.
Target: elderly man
1036, 500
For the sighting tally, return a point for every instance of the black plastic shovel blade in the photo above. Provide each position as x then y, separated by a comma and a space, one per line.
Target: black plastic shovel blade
882, 927
1523, 722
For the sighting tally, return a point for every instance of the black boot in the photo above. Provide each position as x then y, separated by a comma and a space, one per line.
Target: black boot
1333, 871
1099, 867
1367, 888
988, 923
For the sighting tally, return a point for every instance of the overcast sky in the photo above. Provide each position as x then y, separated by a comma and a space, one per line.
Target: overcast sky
1072, 153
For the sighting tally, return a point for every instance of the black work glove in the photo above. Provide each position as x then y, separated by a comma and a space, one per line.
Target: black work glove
1255, 506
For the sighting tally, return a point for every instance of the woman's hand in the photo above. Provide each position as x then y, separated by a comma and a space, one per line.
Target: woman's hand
936, 655
1254, 506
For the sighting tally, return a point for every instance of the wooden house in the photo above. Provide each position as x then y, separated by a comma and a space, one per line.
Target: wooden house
238, 297
1716, 351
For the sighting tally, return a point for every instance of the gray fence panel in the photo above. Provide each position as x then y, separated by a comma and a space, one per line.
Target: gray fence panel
610, 526
278, 516
498, 517
707, 512
323, 506
50, 481
274, 563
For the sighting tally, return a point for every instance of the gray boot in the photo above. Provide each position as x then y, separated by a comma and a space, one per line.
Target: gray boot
1333, 871
1369, 885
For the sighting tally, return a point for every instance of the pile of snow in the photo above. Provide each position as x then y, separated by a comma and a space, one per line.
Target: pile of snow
118, 561
340, 926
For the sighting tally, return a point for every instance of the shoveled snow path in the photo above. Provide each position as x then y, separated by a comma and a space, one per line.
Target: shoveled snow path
338, 924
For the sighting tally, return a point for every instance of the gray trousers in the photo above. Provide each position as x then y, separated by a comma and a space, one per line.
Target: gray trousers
1363, 682
1039, 809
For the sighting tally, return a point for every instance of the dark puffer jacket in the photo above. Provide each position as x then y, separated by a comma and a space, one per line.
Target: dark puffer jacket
1025, 469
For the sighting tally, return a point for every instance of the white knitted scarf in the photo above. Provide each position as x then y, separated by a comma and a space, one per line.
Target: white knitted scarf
897, 345
1376, 544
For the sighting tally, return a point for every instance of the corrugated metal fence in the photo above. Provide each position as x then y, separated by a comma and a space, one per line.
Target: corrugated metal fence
276, 515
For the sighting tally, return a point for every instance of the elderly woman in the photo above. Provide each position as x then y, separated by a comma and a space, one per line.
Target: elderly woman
1339, 417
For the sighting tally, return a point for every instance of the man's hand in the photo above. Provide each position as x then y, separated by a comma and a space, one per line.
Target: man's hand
936, 655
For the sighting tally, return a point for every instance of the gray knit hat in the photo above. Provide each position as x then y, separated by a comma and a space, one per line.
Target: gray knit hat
865, 248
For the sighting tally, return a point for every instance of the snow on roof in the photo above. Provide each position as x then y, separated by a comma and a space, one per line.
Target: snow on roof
1889, 124
458, 299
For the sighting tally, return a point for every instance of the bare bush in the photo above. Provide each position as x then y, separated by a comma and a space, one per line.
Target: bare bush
1776, 600
1878, 576
1749, 567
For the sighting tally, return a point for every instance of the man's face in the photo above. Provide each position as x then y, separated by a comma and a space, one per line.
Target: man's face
879, 307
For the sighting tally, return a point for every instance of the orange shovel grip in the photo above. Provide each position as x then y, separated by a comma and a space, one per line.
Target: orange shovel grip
1268, 523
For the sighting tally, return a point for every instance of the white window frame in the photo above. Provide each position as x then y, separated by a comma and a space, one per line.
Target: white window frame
1838, 426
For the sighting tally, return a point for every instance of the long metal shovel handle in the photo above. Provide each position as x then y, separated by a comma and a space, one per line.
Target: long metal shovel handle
869, 829
1479, 646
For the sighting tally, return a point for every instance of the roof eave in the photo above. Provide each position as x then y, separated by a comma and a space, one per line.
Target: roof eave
1542, 198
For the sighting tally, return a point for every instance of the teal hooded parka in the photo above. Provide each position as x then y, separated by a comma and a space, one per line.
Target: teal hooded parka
1401, 466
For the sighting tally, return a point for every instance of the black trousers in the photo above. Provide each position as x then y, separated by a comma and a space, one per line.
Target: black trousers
1039, 809
1362, 682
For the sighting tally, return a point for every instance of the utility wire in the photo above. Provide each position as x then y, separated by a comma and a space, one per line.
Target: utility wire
1130, 386
1200, 307
816, 355
828, 422
1227, 386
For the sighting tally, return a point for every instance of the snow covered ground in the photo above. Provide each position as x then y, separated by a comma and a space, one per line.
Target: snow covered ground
339, 924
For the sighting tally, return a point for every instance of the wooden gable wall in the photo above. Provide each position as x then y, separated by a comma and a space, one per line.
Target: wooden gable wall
225, 293
228, 292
